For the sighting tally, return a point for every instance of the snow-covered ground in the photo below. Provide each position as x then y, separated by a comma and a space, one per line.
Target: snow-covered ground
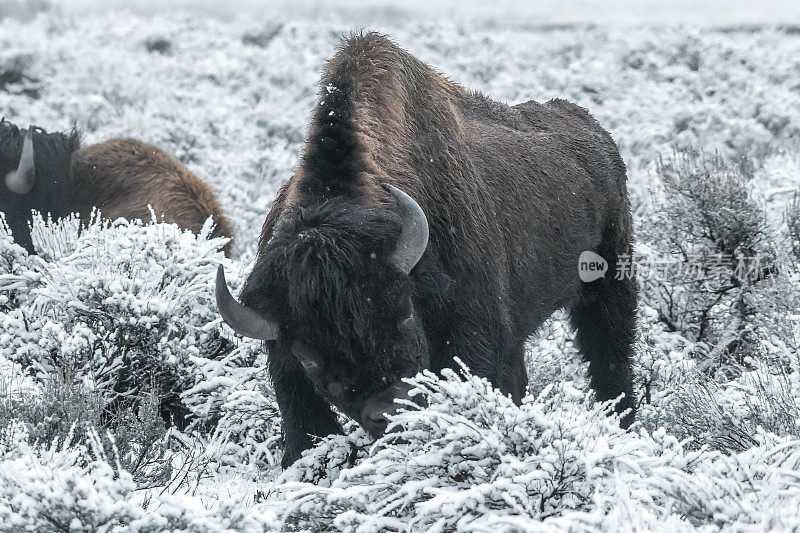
501, 13
228, 88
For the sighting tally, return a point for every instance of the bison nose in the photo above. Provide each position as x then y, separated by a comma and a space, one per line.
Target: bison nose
375, 421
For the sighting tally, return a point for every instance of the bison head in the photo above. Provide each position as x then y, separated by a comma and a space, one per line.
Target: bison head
331, 289
35, 173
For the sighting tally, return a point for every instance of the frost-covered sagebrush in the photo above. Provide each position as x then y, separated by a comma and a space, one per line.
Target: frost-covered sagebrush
76, 486
122, 309
709, 246
14, 265
472, 460
717, 360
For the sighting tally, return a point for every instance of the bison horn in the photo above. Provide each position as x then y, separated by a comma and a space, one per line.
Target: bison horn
21, 181
243, 320
413, 237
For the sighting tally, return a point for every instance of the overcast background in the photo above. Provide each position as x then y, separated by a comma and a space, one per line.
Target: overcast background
480, 13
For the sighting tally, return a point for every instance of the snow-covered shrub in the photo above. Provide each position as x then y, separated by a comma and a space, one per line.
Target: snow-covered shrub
233, 400
659, 361
59, 411
715, 361
120, 308
249, 428
125, 312
63, 486
776, 306
793, 224
727, 415
756, 489
14, 265
472, 460
719, 411
470, 455
64, 412
139, 439
76, 486
710, 246
551, 356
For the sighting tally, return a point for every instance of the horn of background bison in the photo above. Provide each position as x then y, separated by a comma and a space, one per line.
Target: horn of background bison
21, 181
413, 237
243, 320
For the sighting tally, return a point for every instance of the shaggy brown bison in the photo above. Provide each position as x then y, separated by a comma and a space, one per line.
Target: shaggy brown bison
425, 223
50, 173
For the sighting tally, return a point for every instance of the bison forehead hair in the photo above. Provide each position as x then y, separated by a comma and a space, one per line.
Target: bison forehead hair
325, 272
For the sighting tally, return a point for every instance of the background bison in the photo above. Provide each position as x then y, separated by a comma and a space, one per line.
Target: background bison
470, 244
50, 173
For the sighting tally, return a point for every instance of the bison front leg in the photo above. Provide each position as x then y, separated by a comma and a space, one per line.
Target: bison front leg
306, 416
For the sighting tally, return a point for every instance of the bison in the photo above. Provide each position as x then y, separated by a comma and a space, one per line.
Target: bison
425, 223
51, 173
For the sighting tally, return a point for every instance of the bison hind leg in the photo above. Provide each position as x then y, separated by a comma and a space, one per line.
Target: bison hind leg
604, 318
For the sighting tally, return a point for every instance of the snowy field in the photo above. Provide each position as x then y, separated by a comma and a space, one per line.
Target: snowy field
121, 319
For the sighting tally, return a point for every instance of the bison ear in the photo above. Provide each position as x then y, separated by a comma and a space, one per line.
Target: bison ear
413, 237
243, 320
21, 181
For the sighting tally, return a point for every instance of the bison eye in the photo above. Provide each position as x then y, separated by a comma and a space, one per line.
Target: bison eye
339, 390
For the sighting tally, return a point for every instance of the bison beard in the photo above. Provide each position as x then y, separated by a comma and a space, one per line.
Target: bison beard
50, 173
510, 198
